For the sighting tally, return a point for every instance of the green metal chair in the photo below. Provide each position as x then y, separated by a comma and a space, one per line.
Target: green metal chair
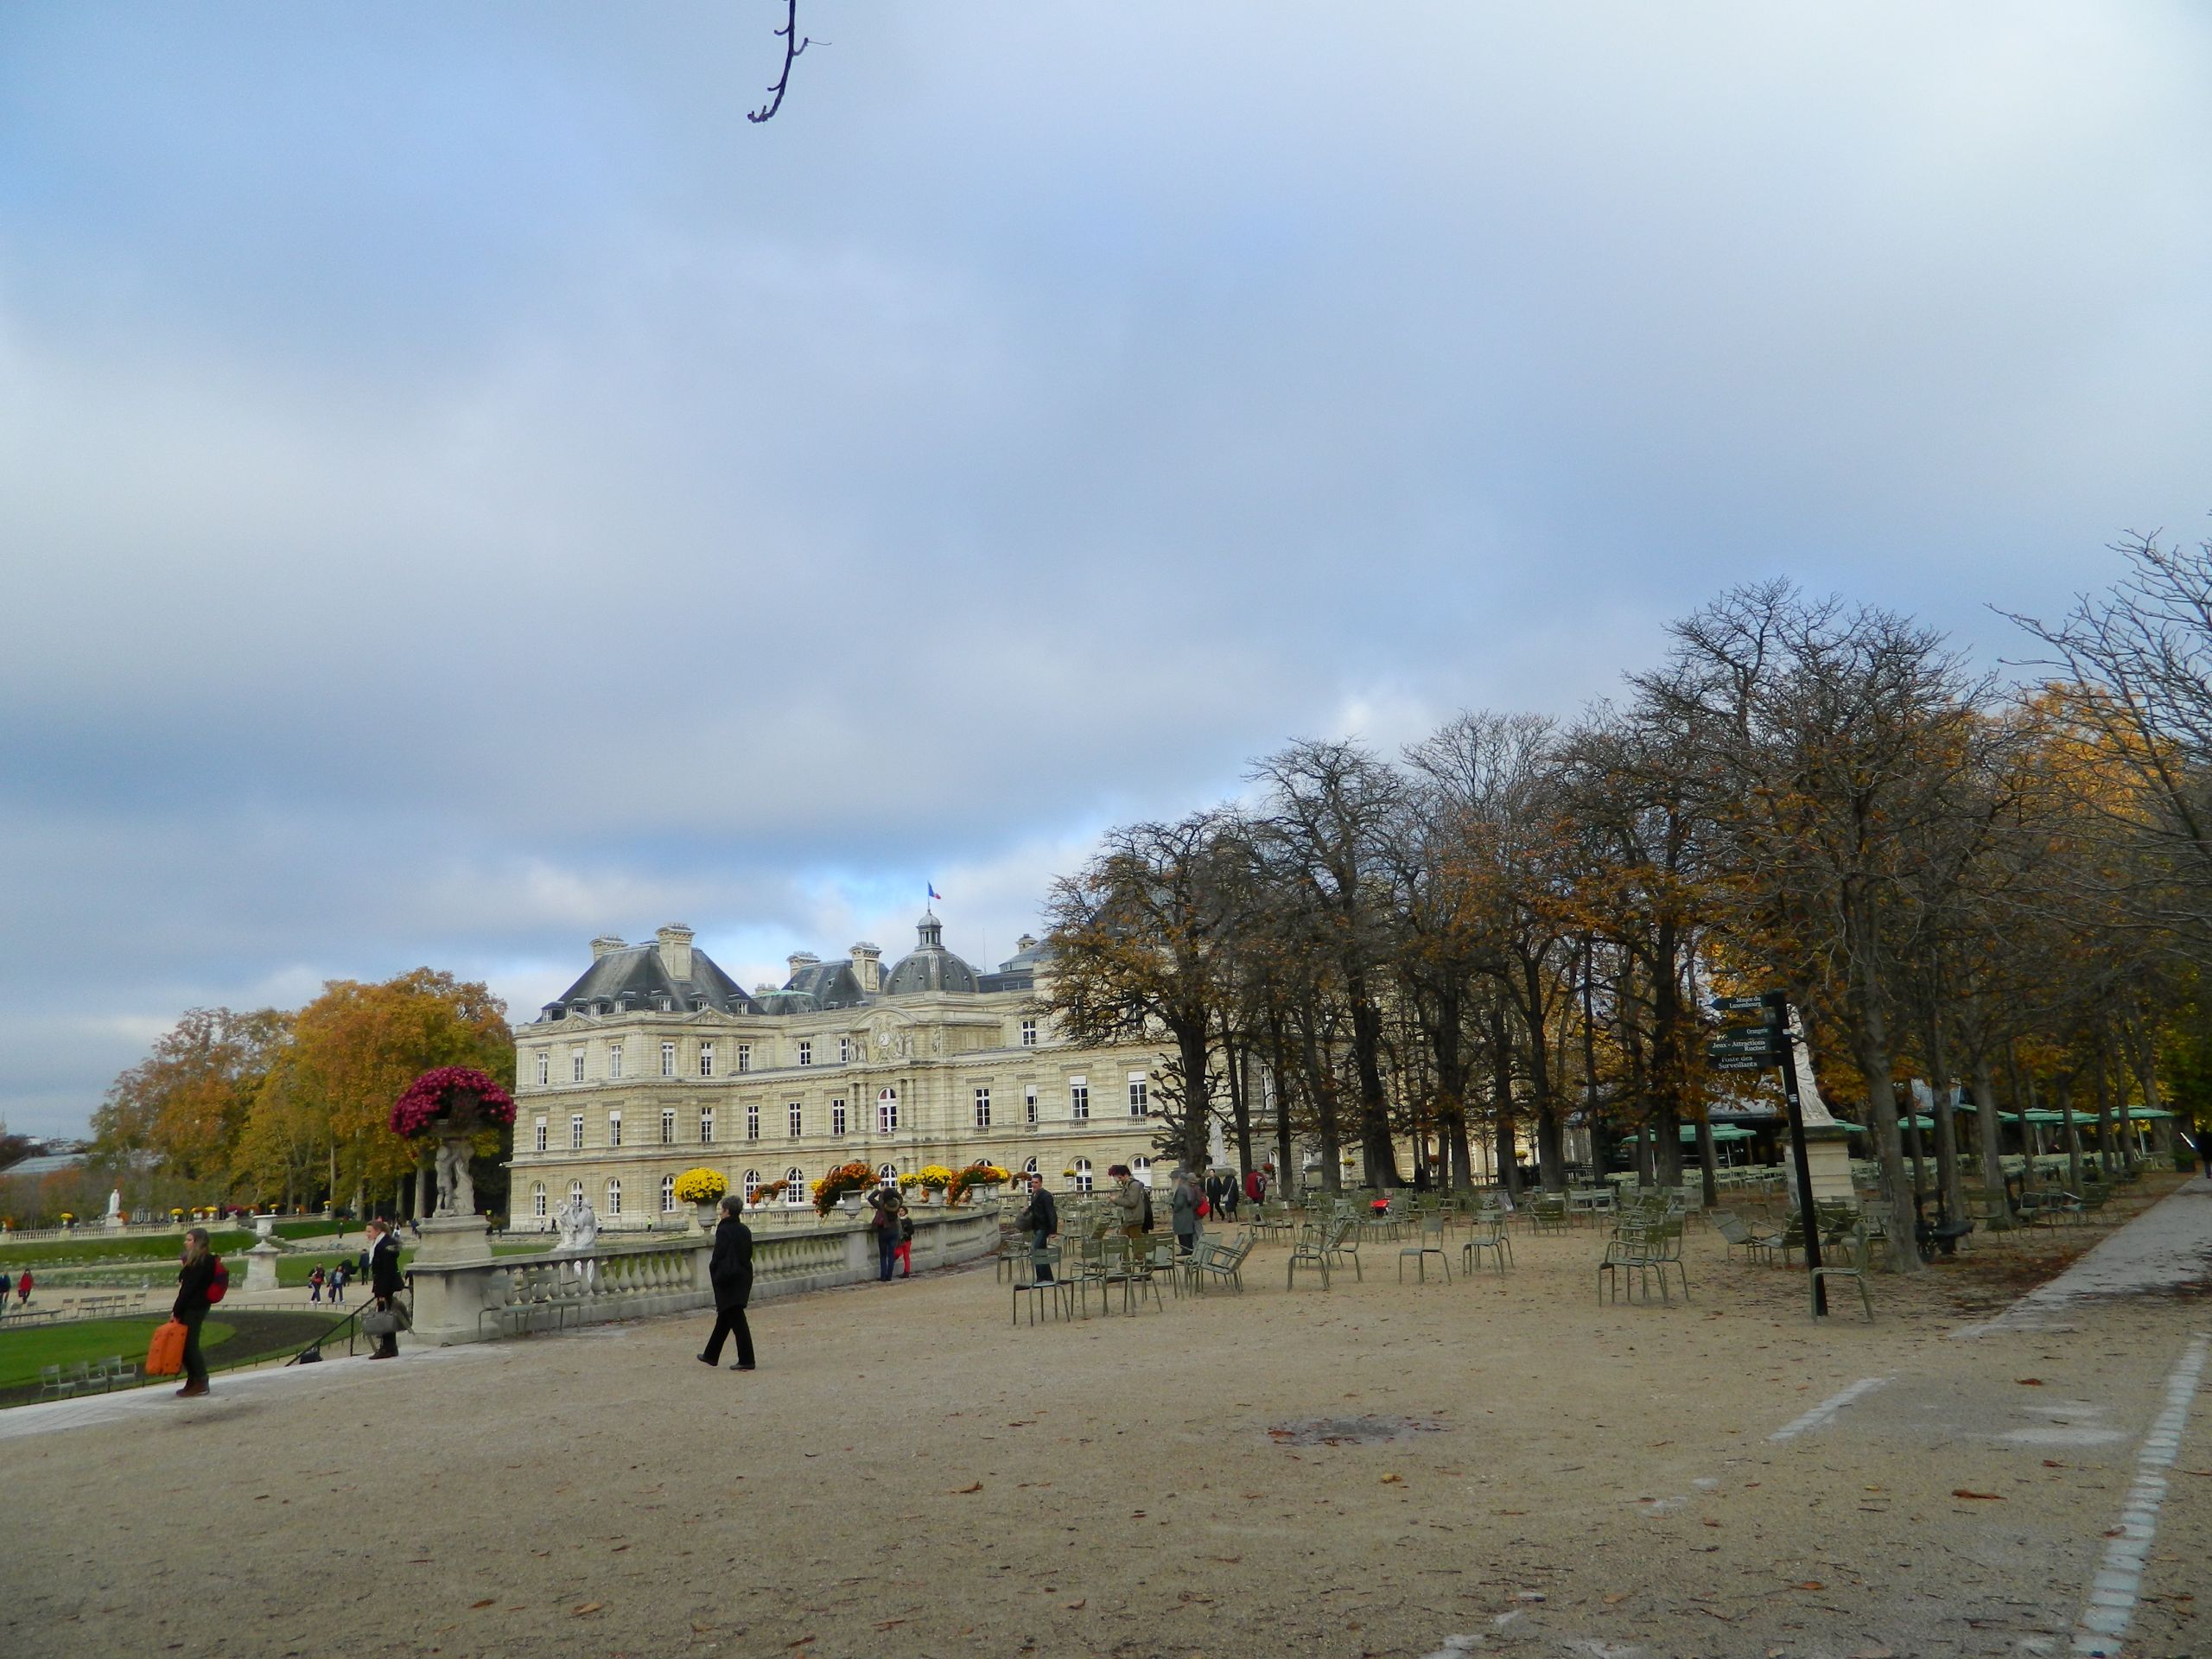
1309, 1249
1343, 1245
1428, 1242
1487, 1232
1547, 1212
1854, 1268
1057, 1294
1221, 1261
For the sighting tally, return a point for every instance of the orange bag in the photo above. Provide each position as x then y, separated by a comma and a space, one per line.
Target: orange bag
165, 1355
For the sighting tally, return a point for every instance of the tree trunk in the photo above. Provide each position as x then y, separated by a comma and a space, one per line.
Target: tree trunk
1707, 1163
2106, 1150
1872, 1043
1322, 1088
1379, 1156
1946, 1132
1501, 1062
1235, 1057
1989, 1130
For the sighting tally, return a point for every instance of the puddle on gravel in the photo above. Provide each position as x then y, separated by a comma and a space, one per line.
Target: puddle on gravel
1351, 1431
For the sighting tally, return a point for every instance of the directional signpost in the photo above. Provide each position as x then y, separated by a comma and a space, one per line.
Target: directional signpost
1755, 1048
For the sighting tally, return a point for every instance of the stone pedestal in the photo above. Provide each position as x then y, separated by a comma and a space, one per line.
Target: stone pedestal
454, 1241
261, 1265
1828, 1155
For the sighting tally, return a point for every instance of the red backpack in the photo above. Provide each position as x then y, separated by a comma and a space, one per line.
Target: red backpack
219, 1283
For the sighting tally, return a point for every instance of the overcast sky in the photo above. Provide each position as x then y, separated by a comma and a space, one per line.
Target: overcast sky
464, 489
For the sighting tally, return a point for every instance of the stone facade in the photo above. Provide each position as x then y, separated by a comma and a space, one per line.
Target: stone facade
654, 1063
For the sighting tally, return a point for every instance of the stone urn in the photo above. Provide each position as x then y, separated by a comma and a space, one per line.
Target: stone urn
850, 1204
709, 1215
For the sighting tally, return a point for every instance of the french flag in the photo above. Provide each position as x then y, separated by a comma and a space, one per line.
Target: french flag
934, 893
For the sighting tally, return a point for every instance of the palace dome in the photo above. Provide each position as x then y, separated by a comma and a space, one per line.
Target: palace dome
930, 966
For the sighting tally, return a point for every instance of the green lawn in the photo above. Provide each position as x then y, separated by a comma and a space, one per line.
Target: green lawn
93, 1248
21, 1352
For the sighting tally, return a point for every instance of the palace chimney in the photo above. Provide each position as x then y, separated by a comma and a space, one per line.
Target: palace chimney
675, 950
867, 968
606, 945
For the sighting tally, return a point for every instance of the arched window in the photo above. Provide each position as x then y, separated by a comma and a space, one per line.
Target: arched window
887, 1111
795, 1187
537, 1200
888, 1174
751, 1184
667, 1194
575, 1194
1141, 1168
1029, 1168
1082, 1174
614, 1196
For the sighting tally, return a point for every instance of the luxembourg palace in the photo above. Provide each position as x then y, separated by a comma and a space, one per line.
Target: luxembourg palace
655, 1061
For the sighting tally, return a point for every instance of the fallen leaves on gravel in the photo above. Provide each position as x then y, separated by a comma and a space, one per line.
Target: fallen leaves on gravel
1078, 1604
588, 1607
487, 1602
1986, 1497
2029, 1382
972, 1486
1812, 1584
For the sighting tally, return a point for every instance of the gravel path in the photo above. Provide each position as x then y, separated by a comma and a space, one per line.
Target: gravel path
1497, 1466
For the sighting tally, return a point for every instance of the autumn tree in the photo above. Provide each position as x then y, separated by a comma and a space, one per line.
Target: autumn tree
1139, 940
356, 1048
185, 1104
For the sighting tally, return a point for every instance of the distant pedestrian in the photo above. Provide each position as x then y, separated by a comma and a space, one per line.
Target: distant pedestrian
384, 1282
1130, 1198
315, 1285
337, 1283
884, 1223
1231, 1190
905, 1252
1183, 1210
193, 1280
729, 1270
2203, 1151
1040, 1221
22, 1289
1256, 1187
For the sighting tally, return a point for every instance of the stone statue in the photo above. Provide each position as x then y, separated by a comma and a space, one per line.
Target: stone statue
456, 1189
115, 1205
578, 1227
1810, 1106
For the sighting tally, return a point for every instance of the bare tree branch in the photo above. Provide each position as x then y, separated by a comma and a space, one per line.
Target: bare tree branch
794, 44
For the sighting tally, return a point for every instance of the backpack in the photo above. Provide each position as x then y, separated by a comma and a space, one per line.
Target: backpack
219, 1283
1145, 1218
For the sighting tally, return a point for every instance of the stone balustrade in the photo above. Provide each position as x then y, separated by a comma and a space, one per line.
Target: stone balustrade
638, 1277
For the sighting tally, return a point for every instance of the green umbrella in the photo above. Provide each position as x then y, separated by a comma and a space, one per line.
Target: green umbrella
1721, 1132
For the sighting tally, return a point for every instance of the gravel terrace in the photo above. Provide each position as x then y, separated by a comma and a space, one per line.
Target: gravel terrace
1501, 1465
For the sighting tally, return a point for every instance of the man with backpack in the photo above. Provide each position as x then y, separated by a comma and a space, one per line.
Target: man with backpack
1134, 1199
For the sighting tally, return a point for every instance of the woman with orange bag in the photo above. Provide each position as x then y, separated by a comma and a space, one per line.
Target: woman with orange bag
193, 1279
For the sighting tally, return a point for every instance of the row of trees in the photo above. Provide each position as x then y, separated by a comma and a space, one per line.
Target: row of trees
1516, 923
270, 1107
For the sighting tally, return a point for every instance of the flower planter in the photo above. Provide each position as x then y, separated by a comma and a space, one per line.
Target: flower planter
850, 1204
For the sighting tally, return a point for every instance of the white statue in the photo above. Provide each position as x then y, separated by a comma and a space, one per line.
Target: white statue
1811, 1108
115, 1205
578, 1227
456, 1189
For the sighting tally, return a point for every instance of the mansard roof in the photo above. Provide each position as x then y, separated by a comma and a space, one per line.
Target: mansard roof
831, 984
635, 976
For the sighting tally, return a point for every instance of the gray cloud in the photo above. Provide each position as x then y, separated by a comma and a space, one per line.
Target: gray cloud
465, 489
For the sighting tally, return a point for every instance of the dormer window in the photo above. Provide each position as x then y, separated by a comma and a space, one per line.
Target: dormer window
667, 1005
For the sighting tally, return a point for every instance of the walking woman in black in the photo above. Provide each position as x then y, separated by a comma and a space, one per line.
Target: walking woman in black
383, 1281
730, 1271
193, 1279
